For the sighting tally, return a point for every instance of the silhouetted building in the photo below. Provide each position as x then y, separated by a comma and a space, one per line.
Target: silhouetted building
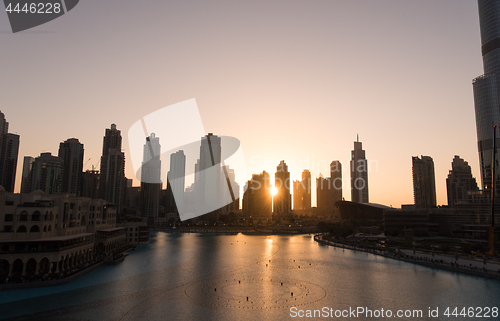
71, 153
322, 191
10, 153
28, 161
487, 87
4, 128
151, 179
207, 177
302, 192
335, 182
9, 150
112, 173
424, 182
90, 184
460, 182
298, 195
46, 174
257, 199
115, 177
175, 182
230, 190
329, 189
359, 174
282, 201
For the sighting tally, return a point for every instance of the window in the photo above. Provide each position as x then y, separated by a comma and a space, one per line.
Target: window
9, 217
9, 203
23, 216
35, 216
7, 228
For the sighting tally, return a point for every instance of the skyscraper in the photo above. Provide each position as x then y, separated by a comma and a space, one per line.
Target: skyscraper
302, 192
115, 177
176, 181
71, 153
9, 150
297, 195
424, 182
112, 174
282, 202
207, 177
229, 196
112, 140
90, 184
459, 182
359, 174
28, 160
257, 199
322, 191
487, 88
335, 182
10, 153
46, 174
4, 128
151, 179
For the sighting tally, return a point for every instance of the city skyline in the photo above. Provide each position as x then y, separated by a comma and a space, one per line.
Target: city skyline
260, 160
113, 139
436, 50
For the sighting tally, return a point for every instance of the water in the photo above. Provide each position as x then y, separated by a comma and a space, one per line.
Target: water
209, 277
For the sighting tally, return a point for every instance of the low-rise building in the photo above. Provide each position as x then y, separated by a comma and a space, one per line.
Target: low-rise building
42, 233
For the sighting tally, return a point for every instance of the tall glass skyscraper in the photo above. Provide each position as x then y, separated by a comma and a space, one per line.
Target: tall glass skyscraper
487, 88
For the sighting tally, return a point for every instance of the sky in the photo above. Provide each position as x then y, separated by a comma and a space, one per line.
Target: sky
292, 80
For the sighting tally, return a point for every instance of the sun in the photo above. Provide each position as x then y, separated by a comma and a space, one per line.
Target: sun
274, 191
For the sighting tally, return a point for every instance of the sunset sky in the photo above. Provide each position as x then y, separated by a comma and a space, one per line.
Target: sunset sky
292, 80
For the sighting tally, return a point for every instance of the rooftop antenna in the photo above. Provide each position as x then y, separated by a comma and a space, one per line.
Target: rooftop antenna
357, 138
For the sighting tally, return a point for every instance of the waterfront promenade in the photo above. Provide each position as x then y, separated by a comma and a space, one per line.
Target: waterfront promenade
438, 261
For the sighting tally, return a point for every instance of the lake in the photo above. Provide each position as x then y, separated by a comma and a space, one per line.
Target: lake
228, 277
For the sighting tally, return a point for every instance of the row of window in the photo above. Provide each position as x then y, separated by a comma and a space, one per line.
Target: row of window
23, 229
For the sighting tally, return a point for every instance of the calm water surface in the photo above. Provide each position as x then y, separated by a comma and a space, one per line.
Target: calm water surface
230, 277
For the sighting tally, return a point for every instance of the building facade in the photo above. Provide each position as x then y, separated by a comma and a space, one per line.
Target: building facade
9, 150
46, 174
112, 173
176, 182
424, 182
151, 179
282, 201
257, 199
10, 154
302, 192
44, 233
460, 183
27, 162
335, 181
487, 88
359, 174
71, 154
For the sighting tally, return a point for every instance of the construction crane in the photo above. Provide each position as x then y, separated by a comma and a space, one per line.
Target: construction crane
86, 162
